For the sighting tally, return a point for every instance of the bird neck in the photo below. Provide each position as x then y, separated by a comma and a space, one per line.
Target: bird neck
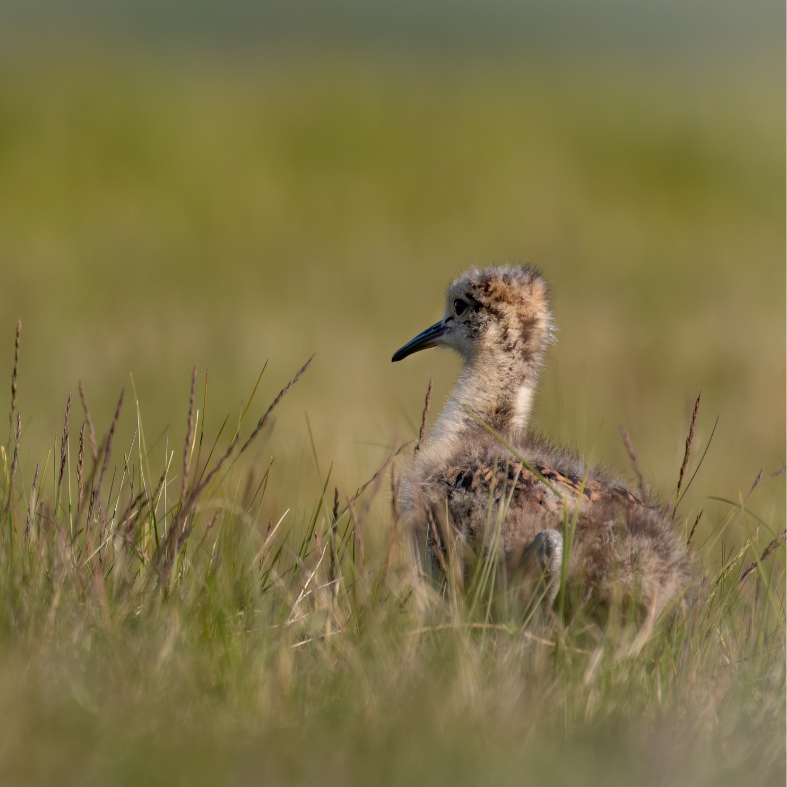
491, 391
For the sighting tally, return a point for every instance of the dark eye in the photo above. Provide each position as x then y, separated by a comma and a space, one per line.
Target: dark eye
460, 306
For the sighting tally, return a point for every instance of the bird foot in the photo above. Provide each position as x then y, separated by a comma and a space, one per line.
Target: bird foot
547, 547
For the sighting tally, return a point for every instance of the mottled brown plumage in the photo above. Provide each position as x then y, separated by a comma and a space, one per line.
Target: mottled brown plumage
466, 484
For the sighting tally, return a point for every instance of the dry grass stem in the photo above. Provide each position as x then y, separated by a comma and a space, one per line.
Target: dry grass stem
702, 458
64, 445
394, 531
437, 549
375, 478
31, 510
694, 527
91, 430
756, 483
424, 417
358, 545
187, 441
687, 452
107, 451
15, 373
207, 479
15, 460
332, 543
81, 467
264, 420
769, 550
633, 456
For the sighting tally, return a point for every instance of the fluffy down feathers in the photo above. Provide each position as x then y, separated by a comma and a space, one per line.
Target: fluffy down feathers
465, 482
624, 548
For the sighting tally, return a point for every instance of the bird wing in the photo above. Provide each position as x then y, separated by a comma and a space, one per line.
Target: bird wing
542, 490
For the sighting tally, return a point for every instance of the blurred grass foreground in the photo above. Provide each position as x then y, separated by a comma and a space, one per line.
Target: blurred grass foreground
186, 599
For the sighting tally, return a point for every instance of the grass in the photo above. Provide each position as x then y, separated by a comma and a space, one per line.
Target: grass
156, 215
156, 628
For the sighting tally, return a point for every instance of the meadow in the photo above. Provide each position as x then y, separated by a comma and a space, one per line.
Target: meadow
166, 623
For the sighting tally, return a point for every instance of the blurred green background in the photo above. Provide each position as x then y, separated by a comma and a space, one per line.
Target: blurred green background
221, 184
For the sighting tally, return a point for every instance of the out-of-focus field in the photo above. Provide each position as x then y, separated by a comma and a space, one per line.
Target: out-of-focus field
161, 209
158, 213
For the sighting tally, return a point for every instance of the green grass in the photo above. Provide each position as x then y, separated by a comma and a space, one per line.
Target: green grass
309, 649
159, 214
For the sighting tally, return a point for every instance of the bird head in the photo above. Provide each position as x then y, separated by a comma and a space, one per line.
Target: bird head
498, 311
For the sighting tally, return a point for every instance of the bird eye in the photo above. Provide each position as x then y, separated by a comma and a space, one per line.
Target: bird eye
460, 306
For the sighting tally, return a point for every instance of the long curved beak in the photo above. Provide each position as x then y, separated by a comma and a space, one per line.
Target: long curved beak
431, 337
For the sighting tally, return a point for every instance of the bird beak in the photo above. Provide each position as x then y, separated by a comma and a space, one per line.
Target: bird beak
431, 337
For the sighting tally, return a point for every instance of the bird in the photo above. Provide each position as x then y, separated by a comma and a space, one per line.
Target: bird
489, 481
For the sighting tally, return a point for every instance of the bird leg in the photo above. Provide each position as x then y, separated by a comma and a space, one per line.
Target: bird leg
547, 547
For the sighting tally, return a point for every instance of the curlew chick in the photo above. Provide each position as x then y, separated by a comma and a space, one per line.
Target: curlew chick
485, 480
